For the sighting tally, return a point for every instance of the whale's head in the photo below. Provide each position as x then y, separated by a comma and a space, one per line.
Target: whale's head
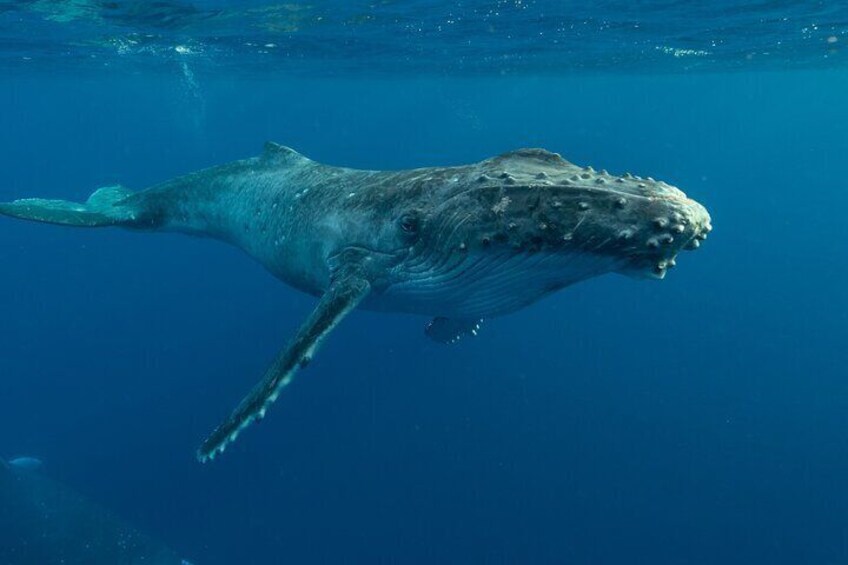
492, 237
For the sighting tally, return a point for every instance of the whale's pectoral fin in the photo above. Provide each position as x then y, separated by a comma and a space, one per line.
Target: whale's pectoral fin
106, 207
451, 330
344, 293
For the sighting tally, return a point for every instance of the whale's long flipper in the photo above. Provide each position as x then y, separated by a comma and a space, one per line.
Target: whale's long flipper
341, 297
106, 207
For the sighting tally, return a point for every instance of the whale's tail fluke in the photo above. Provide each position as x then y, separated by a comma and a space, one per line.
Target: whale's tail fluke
108, 206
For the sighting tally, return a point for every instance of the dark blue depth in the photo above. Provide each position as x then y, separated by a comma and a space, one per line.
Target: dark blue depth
702, 419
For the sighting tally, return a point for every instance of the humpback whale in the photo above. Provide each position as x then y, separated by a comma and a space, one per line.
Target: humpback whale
458, 243
43, 522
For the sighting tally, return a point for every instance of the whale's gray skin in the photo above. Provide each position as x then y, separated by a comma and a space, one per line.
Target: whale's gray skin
43, 522
456, 243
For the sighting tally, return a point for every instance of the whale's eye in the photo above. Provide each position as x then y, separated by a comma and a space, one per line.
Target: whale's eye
409, 223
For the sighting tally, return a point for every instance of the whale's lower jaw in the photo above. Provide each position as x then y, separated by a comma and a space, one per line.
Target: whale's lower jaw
490, 285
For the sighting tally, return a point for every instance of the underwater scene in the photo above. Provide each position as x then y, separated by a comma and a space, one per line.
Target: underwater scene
495, 282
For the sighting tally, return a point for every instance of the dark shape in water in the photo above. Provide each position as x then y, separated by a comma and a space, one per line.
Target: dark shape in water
457, 243
43, 522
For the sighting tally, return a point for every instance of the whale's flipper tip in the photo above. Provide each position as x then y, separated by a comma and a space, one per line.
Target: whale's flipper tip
340, 298
101, 209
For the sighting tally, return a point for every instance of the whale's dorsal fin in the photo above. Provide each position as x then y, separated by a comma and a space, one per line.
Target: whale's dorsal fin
282, 154
345, 292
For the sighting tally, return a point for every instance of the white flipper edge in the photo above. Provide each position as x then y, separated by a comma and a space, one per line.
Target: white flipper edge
343, 295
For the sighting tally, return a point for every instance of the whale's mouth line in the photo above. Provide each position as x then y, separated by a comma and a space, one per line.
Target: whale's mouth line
424, 259
363, 250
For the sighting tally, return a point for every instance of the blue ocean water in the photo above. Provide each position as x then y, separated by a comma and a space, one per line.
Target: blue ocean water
701, 419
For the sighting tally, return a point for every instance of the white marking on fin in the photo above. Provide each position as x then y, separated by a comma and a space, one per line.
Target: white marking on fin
340, 298
450, 330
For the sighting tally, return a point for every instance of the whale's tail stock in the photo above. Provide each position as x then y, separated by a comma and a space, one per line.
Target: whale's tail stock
108, 206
